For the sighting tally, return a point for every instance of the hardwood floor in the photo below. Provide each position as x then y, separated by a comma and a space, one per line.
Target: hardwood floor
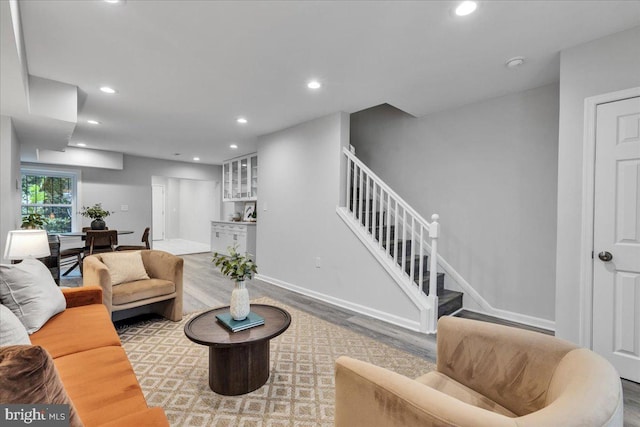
205, 287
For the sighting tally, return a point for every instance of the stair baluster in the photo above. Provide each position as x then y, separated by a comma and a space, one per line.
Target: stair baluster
391, 225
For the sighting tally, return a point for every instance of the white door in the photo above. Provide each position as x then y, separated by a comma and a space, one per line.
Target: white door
616, 268
157, 212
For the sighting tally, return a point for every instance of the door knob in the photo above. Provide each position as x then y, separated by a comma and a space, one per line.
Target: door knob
605, 256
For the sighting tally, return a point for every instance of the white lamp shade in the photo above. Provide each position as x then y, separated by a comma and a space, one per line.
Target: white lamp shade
23, 244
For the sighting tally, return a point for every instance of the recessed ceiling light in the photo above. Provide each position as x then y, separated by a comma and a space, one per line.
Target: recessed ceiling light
241, 120
197, 159
514, 62
113, 1
107, 89
314, 84
466, 8
93, 122
233, 146
81, 144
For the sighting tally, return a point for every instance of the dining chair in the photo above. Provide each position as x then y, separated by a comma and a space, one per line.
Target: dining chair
100, 241
145, 240
69, 256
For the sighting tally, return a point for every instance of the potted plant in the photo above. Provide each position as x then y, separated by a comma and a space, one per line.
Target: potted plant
33, 221
97, 214
237, 267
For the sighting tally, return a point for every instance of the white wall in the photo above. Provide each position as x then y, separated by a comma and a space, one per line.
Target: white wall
299, 191
199, 204
132, 187
54, 99
605, 65
190, 205
172, 212
81, 157
9, 176
489, 170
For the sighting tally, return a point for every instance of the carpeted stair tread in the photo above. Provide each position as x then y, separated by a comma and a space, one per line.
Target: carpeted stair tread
449, 302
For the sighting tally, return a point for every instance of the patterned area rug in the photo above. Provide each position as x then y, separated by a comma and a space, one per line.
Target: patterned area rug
173, 373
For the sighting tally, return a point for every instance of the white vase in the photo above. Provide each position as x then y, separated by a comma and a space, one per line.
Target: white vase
239, 301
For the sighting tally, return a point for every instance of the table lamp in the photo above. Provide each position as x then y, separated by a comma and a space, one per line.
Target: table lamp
23, 244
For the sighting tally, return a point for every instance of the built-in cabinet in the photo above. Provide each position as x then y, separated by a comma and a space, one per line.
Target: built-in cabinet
240, 179
229, 233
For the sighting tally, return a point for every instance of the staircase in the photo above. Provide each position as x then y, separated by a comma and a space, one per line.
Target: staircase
397, 236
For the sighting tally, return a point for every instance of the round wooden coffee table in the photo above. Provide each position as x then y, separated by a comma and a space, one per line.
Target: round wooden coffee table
238, 361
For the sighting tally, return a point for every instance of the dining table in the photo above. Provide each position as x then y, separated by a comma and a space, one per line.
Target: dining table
53, 261
84, 233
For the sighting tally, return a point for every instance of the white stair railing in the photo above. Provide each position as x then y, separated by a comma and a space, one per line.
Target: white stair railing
395, 228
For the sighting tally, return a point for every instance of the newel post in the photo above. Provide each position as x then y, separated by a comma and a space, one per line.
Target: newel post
434, 231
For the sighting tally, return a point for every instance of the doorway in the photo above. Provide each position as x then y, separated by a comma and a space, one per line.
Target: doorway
611, 236
186, 208
157, 212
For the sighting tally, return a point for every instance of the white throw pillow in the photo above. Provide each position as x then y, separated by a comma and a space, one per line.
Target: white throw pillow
12, 331
125, 267
29, 291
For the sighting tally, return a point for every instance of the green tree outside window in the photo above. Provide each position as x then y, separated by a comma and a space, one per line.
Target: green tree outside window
51, 196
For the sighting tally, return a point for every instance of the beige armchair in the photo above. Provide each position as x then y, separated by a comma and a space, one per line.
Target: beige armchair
162, 290
487, 376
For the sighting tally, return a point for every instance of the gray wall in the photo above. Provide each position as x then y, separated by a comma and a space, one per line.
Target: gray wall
489, 170
132, 186
605, 65
300, 171
9, 175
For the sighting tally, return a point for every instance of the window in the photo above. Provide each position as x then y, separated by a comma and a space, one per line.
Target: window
52, 194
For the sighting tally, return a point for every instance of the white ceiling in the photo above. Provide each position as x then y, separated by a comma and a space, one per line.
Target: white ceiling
185, 70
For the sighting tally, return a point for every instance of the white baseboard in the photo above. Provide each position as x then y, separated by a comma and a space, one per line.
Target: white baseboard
519, 318
376, 314
455, 281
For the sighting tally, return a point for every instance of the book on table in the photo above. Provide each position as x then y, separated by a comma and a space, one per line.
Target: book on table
252, 320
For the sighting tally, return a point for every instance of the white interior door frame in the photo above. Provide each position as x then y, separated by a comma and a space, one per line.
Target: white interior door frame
588, 200
158, 221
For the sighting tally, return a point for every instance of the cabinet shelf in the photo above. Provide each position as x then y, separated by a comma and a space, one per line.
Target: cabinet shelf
240, 179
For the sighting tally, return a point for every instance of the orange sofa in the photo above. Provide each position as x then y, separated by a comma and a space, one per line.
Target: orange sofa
92, 364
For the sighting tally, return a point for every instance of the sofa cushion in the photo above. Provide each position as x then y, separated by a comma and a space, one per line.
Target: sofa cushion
30, 292
461, 392
77, 329
141, 289
101, 383
12, 331
124, 267
28, 375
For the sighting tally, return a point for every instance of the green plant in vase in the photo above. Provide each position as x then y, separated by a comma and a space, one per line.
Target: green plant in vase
97, 214
237, 267
33, 221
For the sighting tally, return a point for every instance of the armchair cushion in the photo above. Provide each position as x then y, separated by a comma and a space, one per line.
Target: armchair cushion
141, 289
510, 366
453, 388
29, 291
125, 267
